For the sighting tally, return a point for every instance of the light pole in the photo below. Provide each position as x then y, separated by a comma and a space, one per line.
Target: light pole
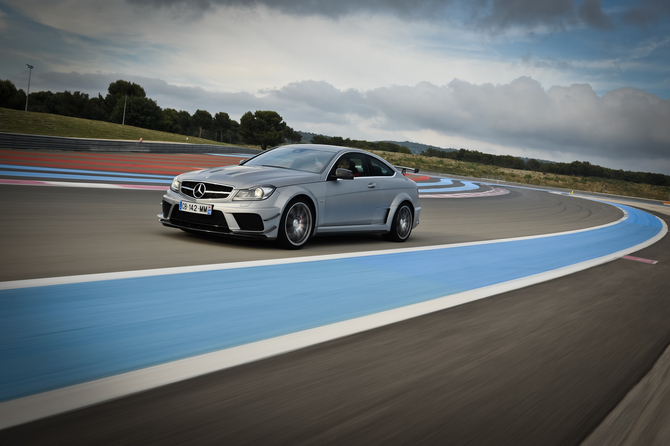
28, 94
124, 110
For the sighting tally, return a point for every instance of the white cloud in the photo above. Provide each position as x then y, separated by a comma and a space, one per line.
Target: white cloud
623, 126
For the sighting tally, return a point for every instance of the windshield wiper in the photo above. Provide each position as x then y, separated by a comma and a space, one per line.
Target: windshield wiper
278, 167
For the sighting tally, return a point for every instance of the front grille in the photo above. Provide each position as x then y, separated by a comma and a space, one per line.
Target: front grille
249, 222
213, 191
215, 222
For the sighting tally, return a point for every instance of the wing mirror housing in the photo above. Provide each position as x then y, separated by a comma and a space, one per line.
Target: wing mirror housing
344, 174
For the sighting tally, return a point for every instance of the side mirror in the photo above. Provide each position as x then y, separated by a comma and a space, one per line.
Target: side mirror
344, 174
243, 161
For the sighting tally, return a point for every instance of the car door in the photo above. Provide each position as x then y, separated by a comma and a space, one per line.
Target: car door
351, 202
383, 176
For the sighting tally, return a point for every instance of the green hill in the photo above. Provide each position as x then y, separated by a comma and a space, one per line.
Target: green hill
31, 123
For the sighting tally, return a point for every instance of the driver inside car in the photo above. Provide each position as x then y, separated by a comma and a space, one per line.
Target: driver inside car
345, 163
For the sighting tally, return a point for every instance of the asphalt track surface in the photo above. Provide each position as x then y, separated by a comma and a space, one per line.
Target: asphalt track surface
59, 231
541, 365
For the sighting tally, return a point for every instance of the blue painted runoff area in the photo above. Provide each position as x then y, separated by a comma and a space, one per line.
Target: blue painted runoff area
60, 335
64, 176
440, 182
82, 171
467, 185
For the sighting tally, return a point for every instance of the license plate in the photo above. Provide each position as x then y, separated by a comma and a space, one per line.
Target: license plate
195, 208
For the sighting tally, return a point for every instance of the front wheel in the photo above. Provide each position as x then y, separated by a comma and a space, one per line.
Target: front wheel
296, 225
401, 227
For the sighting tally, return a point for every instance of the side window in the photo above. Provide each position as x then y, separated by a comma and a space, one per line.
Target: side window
356, 162
359, 164
380, 169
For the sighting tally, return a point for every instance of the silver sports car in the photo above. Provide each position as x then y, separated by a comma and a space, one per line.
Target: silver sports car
294, 192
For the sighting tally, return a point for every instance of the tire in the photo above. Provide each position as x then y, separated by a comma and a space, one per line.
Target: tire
296, 225
401, 227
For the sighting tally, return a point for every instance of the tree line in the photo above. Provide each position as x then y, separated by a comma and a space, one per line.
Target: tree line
127, 103
575, 168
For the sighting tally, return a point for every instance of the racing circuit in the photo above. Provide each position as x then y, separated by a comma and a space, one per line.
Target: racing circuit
509, 317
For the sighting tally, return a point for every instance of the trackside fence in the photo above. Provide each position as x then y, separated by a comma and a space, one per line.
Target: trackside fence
39, 142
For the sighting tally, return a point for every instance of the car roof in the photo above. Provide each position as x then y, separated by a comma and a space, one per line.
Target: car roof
325, 147
328, 148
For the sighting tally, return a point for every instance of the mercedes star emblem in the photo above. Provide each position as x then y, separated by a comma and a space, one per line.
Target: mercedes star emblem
199, 190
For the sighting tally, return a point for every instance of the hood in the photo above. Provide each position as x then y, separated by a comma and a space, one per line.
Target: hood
242, 177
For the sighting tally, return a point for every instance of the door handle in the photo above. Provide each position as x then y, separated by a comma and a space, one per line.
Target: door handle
372, 186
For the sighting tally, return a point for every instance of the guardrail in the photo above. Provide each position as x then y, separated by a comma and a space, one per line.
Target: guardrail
39, 142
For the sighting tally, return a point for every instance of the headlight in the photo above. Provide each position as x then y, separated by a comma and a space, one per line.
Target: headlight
175, 184
254, 193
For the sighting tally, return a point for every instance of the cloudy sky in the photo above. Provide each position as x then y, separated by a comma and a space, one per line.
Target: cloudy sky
562, 80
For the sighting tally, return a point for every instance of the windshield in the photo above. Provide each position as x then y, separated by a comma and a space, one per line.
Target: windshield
295, 158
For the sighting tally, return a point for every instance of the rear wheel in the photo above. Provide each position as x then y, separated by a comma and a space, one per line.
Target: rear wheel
401, 227
296, 225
